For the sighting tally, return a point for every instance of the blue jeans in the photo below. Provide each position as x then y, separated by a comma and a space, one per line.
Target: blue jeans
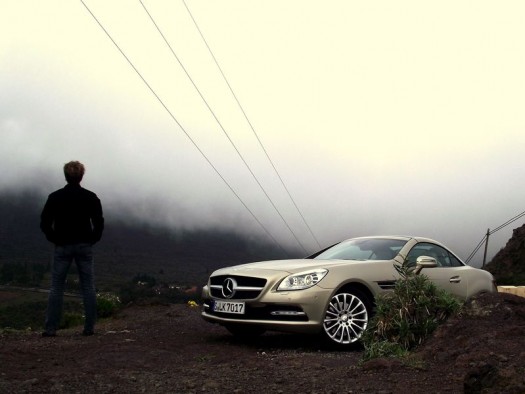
64, 255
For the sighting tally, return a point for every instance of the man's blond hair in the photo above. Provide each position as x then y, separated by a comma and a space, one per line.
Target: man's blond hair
74, 171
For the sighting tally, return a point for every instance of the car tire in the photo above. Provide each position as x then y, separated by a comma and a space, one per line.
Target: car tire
346, 317
245, 331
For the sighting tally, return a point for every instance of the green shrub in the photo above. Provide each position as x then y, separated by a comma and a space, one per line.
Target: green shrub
23, 315
31, 314
107, 304
71, 319
407, 316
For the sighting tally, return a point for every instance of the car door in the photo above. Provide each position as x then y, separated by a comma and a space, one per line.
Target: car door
450, 274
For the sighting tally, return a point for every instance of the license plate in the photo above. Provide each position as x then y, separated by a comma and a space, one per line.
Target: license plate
229, 307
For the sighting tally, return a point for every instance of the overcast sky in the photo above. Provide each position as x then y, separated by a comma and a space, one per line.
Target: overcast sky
381, 117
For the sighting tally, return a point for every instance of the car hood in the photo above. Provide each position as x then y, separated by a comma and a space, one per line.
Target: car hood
287, 266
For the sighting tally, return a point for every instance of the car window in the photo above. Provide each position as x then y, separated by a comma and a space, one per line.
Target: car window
454, 261
363, 249
443, 257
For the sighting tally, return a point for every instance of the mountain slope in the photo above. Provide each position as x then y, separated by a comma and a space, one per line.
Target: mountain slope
508, 265
128, 249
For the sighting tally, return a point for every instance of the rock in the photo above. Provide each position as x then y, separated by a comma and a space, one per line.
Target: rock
479, 378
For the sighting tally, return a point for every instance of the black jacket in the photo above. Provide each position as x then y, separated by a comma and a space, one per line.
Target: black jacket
72, 215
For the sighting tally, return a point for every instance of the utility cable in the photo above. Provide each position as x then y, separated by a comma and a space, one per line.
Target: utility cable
223, 129
252, 128
492, 232
182, 128
475, 250
507, 222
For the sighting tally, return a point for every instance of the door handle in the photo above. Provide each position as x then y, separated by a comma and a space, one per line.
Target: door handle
455, 279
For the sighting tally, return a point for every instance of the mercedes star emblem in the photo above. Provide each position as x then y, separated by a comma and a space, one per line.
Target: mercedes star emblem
228, 287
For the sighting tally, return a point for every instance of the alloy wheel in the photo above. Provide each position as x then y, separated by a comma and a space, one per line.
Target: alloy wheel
346, 318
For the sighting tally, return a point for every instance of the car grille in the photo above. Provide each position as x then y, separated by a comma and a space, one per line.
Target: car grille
247, 288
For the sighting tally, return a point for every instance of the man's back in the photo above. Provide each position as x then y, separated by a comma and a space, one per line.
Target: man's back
72, 215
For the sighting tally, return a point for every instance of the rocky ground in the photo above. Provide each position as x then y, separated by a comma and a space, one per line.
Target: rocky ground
169, 348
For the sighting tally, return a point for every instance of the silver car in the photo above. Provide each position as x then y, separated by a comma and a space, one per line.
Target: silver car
333, 291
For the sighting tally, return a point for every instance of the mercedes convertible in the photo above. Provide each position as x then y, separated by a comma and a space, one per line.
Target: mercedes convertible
331, 292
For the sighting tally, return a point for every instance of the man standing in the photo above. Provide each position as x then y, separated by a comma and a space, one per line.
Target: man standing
72, 220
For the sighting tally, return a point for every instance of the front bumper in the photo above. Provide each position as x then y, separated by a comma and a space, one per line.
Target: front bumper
300, 311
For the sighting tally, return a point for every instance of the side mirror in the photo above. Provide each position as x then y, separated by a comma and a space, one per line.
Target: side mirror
424, 262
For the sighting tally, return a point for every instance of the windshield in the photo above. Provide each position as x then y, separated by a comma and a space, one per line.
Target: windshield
363, 249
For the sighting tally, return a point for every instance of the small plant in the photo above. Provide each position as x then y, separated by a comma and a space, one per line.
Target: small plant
384, 348
22, 315
407, 316
107, 304
71, 319
204, 358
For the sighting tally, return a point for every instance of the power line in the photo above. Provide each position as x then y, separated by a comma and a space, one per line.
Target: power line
484, 239
182, 128
475, 250
223, 129
251, 126
508, 222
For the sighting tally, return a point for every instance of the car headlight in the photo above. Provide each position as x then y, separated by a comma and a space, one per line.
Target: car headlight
302, 280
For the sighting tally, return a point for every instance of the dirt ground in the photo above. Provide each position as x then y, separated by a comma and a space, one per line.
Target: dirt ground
170, 349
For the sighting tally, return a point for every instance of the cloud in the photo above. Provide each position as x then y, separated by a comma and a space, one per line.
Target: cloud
389, 124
